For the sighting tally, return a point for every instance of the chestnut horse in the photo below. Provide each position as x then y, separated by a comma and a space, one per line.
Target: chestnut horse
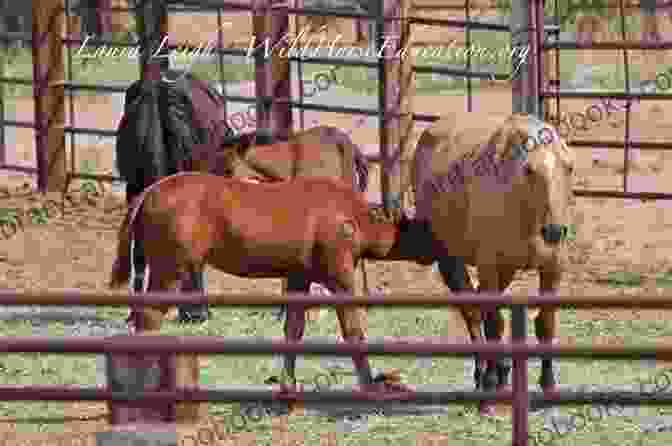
322, 151
308, 229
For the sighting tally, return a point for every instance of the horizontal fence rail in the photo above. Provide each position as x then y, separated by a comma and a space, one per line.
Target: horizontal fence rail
397, 300
520, 350
393, 346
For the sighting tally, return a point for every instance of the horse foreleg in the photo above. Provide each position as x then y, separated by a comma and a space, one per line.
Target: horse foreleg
193, 280
472, 319
497, 373
353, 332
545, 327
138, 266
496, 328
295, 321
454, 274
488, 276
295, 325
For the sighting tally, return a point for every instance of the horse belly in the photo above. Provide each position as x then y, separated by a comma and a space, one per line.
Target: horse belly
449, 222
258, 257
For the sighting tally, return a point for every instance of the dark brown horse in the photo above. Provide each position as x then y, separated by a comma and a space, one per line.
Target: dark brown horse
322, 151
163, 122
307, 229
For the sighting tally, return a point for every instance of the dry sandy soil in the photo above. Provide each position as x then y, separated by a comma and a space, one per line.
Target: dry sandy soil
612, 235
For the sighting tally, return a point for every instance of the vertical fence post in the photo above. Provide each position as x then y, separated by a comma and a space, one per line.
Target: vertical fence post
3, 92
406, 95
272, 77
152, 19
281, 112
395, 89
261, 77
521, 399
49, 94
104, 18
525, 85
536, 56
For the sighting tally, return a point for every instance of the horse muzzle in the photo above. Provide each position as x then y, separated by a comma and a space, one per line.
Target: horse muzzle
554, 233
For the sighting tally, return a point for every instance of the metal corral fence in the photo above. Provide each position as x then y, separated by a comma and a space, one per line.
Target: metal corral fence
551, 89
274, 103
169, 394
50, 83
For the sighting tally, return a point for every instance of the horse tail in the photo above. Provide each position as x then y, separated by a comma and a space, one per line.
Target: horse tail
354, 160
140, 141
121, 270
361, 168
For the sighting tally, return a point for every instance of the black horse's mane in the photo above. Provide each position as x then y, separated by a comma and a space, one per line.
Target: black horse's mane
161, 127
162, 124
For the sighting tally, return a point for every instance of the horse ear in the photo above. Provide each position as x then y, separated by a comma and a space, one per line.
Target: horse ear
505, 138
566, 154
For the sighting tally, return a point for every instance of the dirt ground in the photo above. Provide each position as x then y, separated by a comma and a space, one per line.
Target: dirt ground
76, 252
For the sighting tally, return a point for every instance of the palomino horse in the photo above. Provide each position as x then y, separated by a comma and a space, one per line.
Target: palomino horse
512, 173
322, 151
308, 229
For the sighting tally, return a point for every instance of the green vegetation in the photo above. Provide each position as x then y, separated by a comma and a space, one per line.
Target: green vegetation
624, 279
18, 63
461, 426
567, 10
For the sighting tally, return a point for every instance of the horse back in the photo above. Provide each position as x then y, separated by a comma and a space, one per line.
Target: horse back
288, 219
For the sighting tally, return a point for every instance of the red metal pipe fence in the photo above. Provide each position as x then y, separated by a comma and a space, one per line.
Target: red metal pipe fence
46, 126
550, 90
519, 350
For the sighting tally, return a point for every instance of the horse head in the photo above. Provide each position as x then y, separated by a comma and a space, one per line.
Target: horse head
395, 236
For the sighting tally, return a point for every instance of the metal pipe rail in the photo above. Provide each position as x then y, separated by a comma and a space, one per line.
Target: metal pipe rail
395, 300
520, 350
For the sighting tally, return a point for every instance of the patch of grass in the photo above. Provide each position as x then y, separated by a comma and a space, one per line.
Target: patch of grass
664, 280
87, 185
623, 279
123, 69
460, 426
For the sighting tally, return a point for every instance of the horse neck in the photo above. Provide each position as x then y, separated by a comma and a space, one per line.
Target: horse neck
410, 240
381, 238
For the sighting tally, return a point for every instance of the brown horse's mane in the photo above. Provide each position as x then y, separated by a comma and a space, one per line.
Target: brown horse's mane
243, 142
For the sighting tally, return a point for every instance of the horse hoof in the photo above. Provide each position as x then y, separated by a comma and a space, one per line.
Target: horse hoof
486, 409
389, 382
388, 377
504, 388
194, 315
548, 389
272, 380
285, 387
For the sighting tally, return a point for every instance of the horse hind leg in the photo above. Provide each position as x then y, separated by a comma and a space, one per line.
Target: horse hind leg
150, 317
353, 332
295, 324
545, 325
295, 321
193, 280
